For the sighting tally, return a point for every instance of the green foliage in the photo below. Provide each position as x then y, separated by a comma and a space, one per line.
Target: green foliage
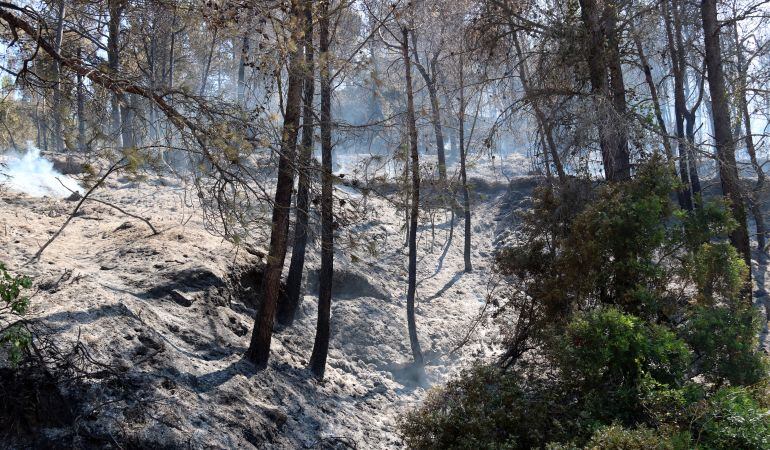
733, 419
12, 305
630, 317
726, 340
616, 437
604, 355
485, 407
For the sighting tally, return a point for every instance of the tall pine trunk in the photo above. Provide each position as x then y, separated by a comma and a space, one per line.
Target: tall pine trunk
321, 343
603, 58
288, 308
58, 137
429, 76
259, 348
753, 198
241, 94
546, 128
81, 107
207, 65
115, 8
415, 205
463, 173
723, 138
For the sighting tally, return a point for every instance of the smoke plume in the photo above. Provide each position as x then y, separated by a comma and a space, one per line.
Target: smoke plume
34, 175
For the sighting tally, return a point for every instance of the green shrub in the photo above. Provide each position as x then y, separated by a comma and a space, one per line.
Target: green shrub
487, 407
616, 437
732, 419
605, 354
13, 337
726, 342
635, 315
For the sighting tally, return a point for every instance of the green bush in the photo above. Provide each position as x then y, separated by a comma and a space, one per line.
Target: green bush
13, 337
726, 342
616, 437
732, 418
605, 354
484, 407
629, 318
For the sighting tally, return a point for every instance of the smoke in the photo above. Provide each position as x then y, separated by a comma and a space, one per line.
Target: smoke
34, 175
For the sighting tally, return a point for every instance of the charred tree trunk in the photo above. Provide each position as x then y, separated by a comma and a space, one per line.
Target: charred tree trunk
655, 99
463, 173
545, 125
259, 349
431, 82
58, 138
415, 205
753, 197
288, 308
81, 107
607, 86
207, 66
242, 70
673, 25
321, 343
723, 139
113, 62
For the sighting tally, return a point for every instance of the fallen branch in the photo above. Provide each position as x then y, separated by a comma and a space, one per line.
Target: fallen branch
104, 202
74, 212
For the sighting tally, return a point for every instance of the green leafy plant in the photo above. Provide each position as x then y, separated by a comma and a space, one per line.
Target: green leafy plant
626, 326
13, 305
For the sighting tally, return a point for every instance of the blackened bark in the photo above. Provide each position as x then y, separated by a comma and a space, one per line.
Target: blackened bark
618, 135
321, 343
546, 127
435, 111
287, 309
655, 99
415, 206
723, 138
242, 70
463, 173
607, 87
259, 349
753, 197
115, 8
58, 136
207, 66
81, 106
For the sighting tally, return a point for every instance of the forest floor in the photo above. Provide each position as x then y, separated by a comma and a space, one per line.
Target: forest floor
159, 311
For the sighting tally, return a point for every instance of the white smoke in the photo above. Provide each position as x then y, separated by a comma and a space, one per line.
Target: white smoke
34, 175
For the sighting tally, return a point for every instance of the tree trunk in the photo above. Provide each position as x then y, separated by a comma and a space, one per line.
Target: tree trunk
543, 122
648, 78
753, 197
259, 349
463, 173
58, 137
288, 308
430, 83
723, 139
242, 70
113, 62
81, 107
321, 343
207, 66
673, 25
608, 88
415, 206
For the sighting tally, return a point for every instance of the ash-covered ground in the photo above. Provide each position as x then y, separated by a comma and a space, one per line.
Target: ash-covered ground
170, 316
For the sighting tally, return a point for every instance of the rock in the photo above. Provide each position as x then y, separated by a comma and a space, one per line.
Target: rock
180, 298
277, 416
